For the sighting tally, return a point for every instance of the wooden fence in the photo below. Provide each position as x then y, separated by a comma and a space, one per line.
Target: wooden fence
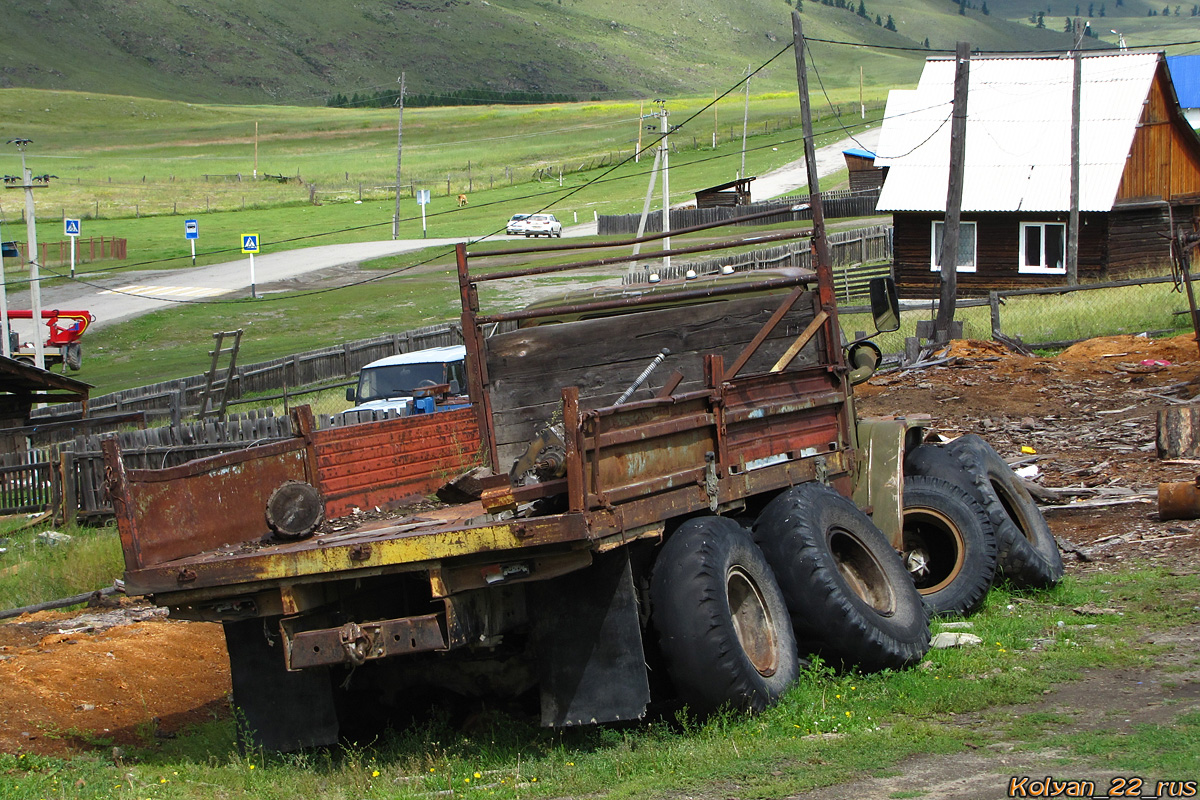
841, 203
85, 250
176, 400
857, 256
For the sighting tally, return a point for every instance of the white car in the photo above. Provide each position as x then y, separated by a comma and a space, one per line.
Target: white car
542, 225
516, 224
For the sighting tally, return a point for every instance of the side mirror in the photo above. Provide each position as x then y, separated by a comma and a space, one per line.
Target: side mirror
454, 387
885, 304
863, 358
350, 395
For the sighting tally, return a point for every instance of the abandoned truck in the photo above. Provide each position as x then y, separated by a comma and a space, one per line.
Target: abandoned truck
610, 535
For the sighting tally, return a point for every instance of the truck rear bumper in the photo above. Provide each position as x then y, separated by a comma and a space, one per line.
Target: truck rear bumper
355, 643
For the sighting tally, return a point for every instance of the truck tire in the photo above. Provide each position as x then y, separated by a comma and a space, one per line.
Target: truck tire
949, 550
933, 460
850, 598
721, 620
1026, 551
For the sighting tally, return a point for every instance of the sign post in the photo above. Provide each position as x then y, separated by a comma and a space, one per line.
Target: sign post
250, 245
422, 201
191, 232
71, 228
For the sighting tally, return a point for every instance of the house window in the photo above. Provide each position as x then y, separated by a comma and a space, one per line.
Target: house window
1044, 247
966, 247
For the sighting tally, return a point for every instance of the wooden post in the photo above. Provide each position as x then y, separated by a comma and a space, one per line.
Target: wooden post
958, 150
994, 302
70, 495
1073, 227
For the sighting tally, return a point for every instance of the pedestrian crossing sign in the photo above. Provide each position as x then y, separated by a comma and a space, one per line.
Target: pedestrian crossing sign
249, 242
71, 227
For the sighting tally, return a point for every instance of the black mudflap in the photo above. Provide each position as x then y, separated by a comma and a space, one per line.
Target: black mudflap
589, 643
277, 709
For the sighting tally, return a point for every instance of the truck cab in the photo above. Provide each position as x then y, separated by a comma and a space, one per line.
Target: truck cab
401, 382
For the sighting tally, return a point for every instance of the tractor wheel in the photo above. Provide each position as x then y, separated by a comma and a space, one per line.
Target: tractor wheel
949, 549
721, 620
74, 356
1026, 551
846, 588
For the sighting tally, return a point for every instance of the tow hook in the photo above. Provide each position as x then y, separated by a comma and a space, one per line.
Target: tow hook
355, 643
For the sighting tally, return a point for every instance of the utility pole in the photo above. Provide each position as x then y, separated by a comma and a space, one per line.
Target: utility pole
637, 154
35, 287
745, 121
714, 119
399, 148
255, 149
664, 148
862, 107
660, 164
823, 265
1073, 226
958, 149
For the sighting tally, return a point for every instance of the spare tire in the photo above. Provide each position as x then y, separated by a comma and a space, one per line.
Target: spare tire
1026, 551
722, 623
850, 598
949, 550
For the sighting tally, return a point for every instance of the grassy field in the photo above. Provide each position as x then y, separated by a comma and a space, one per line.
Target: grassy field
166, 150
829, 728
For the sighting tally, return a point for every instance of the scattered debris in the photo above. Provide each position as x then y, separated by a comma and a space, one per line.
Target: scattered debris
948, 639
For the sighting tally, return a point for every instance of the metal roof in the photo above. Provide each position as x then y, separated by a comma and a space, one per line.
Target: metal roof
1018, 140
1185, 74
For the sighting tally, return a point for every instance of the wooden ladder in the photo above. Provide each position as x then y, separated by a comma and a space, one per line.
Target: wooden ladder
216, 389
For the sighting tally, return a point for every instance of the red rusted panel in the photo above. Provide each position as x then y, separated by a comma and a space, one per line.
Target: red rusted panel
785, 413
444, 461
654, 445
386, 463
207, 508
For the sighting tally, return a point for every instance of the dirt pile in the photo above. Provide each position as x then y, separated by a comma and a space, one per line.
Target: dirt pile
124, 675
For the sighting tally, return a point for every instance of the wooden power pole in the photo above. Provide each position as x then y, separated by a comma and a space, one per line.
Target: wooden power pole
958, 149
1073, 227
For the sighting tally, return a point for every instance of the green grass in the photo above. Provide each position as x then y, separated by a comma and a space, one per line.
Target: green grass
32, 572
828, 729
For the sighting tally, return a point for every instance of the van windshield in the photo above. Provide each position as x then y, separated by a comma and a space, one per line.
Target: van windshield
398, 380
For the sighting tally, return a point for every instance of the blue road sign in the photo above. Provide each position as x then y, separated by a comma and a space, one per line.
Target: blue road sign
423, 197
71, 227
249, 242
190, 229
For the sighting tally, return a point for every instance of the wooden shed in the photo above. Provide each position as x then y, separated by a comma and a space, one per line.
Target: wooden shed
1139, 171
734, 193
21, 386
864, 175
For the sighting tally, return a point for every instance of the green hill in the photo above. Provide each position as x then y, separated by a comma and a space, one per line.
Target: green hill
304, 51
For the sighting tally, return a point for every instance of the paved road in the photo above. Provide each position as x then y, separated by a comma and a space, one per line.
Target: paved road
126, 295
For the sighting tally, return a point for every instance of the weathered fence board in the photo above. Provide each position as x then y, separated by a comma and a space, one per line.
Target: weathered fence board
841, 203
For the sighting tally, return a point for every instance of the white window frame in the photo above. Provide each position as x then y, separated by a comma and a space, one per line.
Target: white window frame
965, 230
1041, 269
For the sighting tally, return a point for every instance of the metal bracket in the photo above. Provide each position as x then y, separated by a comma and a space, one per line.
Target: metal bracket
822, 469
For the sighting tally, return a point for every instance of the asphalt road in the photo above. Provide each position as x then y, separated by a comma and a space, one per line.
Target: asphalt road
125, 295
